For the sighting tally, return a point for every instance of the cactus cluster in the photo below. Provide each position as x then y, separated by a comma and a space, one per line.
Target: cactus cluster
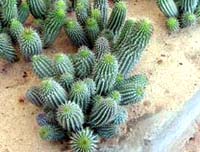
180, 13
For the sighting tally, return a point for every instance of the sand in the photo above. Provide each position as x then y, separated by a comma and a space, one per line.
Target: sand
170, 62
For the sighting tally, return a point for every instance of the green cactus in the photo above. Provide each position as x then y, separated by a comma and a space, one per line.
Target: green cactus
103, 112
101, 48
75, 33
105, 73
92, 30
19, 2
66, 80
23, 12
96, 14
63, 64
108, 131
43, 66
83, 62
80, 94
129, 50
42, 119
173, 24
168, 7
70, 116
81, 13
84, 141
37, 8
33, 95
117, 17
30, 43
90, 85
16, 29
8, 11
189, 5
52, 133
115, 95
108, 35
7, 51
132, 89
188, 19
197, 12
52, 93
121, 116
53, 24
103, 6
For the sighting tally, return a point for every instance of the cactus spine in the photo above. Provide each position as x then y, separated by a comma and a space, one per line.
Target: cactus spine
188, 19
173, 24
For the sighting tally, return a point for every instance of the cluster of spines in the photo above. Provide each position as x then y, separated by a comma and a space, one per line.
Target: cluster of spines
102, 47
16, 29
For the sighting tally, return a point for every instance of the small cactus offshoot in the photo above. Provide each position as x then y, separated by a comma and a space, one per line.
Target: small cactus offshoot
173, 24
188, 19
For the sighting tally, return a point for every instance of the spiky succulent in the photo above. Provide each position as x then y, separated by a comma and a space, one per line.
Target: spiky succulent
103, 6
80, 94
121, 116
66, 80
52, 93
43, 66
81, 13
102, 47
23, 12
189, 5
103, 112
115, 95
33, 95
37, 8
96, 14
90, 85
129, 50
92, 30
84, 141
63, 64
84, 62
108, 131
132, 89
16, 29
30, 43
188, 19
53, 23
75, 33
105, 73
8, 11
197, 12
42, 119
173, 24
168, 7
70, 116
7, 51
52, 133
117, 17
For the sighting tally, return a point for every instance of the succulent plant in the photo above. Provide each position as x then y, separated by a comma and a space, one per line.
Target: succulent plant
103, 6
96, 14
7, 51
197, 12
105, 73
103, 112
84, 62
23, 12
70, 116
37, 8
43, 66
63, 64
75, 33
19, 2
129, 50
52, 133
132, 90
117, 17
115, 95
121, 116
30, 43
108, 131
81, 13
42, 119
189, 5
102, 47
173, 24
84, 141
33, 95
8, 11
168, 7
80, 94
188, 19
92, 30
66, 80
90, 85
53, 23
16, 29
52, 93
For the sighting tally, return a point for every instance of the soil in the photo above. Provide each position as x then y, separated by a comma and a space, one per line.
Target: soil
171, 63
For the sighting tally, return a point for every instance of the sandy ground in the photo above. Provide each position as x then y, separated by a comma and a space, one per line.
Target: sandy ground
171, 63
